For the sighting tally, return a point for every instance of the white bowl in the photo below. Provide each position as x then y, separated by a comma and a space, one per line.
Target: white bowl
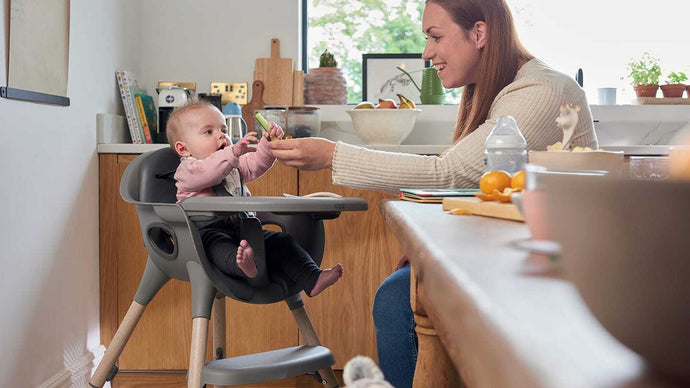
611, 161
532, 200
625, 247
383, 126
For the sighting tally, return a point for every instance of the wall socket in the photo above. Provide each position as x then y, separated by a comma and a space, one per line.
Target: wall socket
191, 85
231, 91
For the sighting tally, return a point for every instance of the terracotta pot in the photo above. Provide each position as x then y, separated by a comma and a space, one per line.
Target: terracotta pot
646, 90
325, 86
673, 90
687, 88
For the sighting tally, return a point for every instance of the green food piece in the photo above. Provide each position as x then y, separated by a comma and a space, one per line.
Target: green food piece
261, 120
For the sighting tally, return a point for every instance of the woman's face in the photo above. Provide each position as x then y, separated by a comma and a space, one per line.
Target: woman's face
454, 55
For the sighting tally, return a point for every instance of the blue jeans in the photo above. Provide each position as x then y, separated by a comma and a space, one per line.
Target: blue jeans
396, 339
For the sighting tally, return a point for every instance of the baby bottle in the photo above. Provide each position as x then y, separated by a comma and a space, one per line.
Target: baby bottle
506, 148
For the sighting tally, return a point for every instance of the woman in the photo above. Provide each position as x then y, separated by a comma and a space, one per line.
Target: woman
472, 43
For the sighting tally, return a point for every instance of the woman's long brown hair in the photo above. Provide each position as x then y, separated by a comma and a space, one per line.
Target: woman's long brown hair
499, 61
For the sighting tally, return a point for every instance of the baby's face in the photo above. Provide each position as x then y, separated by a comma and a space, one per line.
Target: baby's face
205, 132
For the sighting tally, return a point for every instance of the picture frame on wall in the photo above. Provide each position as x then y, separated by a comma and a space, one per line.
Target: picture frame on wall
381, 78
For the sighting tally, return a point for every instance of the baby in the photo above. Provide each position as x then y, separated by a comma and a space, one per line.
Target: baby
210, 165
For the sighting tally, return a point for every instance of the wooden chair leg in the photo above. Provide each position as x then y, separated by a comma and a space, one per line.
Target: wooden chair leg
434, 367
197, 354
311, 339
219, 343
124, 331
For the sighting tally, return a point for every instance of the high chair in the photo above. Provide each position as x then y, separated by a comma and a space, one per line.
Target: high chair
171, 236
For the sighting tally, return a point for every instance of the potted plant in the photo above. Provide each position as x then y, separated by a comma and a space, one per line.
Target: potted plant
325, 84
675, 84
644, 75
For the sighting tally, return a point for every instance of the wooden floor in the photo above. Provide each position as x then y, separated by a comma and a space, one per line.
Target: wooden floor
179, 380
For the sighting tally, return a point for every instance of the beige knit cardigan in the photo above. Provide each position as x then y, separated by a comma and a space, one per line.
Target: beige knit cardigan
533, 99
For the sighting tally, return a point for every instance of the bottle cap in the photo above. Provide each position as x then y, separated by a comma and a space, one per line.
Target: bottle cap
505, 134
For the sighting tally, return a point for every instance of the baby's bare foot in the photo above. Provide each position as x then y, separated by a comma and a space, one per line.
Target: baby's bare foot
245, 259
327, 278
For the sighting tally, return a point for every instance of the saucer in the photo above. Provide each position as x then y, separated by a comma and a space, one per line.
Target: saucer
552, 249
544, 256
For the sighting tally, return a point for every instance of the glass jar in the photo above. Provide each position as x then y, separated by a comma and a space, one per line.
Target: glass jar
277, 114
304, 121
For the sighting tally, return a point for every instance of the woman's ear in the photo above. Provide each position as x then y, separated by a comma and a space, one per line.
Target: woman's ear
479, 34
181, 149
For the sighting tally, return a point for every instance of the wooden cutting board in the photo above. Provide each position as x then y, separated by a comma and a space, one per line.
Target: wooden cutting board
298, 88
276, 73
507, 211
256, 103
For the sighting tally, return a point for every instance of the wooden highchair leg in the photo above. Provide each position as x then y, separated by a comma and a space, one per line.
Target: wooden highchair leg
117, 344
197, 354
311, 339
219, 343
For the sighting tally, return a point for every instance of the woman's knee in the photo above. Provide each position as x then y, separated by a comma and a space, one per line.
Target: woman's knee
393, 296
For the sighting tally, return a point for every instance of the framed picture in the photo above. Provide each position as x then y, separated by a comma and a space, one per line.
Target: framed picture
381, 78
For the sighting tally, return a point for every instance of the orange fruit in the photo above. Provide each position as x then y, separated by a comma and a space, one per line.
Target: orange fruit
518, 180
485, 197
504, 196
494, 180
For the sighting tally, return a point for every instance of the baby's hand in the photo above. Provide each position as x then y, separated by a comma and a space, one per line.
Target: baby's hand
274, 130
242, 146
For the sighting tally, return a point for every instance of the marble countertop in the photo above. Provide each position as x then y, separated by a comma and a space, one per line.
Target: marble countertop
634, 129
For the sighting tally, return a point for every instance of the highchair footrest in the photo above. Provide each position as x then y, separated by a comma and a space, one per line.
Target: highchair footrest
267, 366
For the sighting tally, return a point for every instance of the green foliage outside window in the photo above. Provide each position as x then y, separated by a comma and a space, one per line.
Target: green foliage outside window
353, 27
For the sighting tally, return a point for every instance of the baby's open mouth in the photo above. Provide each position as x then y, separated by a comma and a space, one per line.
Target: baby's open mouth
221, 147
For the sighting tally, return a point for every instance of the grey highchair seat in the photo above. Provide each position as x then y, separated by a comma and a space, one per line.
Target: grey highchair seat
172, 239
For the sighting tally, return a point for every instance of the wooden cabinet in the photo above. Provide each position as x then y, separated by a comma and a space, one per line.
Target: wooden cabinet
341, 315
368, 252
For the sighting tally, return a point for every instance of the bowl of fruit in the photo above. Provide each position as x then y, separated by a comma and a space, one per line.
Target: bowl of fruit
387, 122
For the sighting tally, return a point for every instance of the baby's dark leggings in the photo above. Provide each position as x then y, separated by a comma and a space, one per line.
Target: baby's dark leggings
282, 254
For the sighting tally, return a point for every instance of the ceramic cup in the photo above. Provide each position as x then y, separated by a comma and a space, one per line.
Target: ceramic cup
607, 96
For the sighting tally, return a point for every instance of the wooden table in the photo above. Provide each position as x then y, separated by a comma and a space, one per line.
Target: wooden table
500, 323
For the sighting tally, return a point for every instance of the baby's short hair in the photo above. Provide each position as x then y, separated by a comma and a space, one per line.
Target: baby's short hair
173, 128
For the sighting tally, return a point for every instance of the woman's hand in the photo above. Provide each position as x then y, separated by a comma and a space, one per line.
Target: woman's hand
308, 154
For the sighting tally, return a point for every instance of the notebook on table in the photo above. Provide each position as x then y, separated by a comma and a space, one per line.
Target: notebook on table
434, 195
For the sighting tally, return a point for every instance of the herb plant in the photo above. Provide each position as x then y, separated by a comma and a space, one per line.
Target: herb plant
676, 78
645, 71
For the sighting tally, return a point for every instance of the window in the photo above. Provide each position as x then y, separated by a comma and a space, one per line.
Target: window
601, 36
598, 36
351, 28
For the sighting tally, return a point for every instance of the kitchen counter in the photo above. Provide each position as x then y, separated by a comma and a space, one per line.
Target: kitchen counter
421, 149
634, 129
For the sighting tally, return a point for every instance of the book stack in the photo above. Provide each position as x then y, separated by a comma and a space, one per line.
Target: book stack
433, 195
139, 109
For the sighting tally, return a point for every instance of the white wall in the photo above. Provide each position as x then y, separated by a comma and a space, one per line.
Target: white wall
213, 40
49, 203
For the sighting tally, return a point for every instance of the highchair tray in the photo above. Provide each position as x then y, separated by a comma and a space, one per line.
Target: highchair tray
273, 204
271, 365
